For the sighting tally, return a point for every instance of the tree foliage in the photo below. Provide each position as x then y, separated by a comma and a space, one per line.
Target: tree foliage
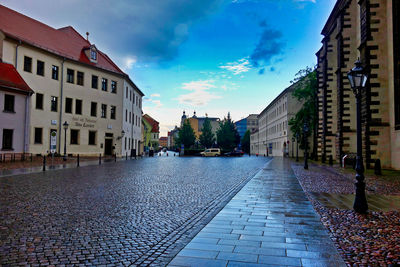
186, 135
227, 135
246, 142
305, 92
207, 137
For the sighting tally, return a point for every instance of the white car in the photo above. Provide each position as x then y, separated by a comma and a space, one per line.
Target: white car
211, 152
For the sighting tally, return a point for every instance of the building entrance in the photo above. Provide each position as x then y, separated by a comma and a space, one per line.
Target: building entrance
108, 146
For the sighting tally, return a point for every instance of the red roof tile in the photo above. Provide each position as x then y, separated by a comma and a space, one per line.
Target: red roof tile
66, 42
10, 78
155, 128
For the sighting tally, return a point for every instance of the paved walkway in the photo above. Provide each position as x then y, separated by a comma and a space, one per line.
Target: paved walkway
269, 222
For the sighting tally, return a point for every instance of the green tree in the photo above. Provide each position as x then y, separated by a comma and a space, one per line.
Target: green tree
207, 137
227, 135
246, 142
305, 92
186, 135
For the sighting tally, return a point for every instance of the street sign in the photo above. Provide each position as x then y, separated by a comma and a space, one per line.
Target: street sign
53, 142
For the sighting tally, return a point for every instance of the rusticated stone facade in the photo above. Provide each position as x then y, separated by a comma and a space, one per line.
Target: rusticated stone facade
366, 29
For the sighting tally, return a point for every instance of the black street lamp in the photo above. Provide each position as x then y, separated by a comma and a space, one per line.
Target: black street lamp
305, 132
65, 140
358, 79
293, 147
297, 149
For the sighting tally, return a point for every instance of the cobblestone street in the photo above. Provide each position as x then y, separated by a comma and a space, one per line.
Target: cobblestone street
129, 212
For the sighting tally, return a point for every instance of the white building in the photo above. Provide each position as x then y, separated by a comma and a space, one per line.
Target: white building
74, 84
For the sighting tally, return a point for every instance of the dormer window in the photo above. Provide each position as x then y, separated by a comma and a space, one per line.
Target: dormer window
93, 54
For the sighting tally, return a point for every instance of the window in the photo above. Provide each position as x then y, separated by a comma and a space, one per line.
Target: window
126, 92
39, 101
130, 117
93, 109
137, 102
74, 137
7, 139
93, 54
40, 68
92, 137
125, 142
113, 87
140, 103
78, 106
54, 103
103, 110
54, 72
104, 84
95, 81
133, 98
113, 112
70, 76
38, 135
27, 64
9, 103
396, 61
68, 105
126, 115
130, 95
79, 78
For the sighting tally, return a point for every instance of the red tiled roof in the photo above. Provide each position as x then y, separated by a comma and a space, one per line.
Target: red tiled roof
155, 128
10, 78
65, 42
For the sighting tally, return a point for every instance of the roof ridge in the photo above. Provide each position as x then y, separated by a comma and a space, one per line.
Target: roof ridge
72, 28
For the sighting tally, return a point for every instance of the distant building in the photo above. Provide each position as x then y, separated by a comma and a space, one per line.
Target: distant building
241, 127
163, 141
197, 123
250, 123
274, 136
172, 137
152, 132
14, 110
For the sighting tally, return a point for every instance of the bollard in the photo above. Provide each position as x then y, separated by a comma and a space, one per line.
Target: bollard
44, 163
174, 154
377, 167
115, 157
77, 161
330, 160
323, 158
100, 159
264, 155
126, 157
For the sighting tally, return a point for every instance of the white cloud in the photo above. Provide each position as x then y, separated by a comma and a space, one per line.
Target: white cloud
200, 94
242, 65
156, 103
155, 95
129, 62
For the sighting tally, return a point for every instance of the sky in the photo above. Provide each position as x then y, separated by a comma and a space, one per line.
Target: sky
205, 56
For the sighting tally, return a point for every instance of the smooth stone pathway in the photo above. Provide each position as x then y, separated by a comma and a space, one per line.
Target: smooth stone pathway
270, 222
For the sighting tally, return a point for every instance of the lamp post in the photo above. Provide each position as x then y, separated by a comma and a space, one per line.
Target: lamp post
358, 79
305, 133
297, 149
65, 125
293, 147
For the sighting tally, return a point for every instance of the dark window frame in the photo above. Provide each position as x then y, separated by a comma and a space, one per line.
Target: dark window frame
74, 137
54, 72
7, 142
113, 87
70, 75
39, 104
38, 135
104, 84
28, 64
80, 78
92, 138
40, 68
95, 82
68, 105
93, 109
78, 106
113, 113
9, 106
103, 111
54, 103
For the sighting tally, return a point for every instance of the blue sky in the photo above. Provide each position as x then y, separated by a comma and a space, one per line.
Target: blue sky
208, 56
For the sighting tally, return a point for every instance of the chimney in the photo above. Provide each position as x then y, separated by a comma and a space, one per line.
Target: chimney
87, 36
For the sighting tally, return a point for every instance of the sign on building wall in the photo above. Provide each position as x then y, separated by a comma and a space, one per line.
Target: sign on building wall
53, 142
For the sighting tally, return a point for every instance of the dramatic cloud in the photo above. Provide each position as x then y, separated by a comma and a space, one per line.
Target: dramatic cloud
269, 46
243, 65
150, 30
199, 95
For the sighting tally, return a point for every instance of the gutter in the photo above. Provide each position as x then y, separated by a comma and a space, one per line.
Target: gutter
61, 106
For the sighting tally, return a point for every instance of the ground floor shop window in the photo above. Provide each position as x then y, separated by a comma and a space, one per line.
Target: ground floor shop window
38, 135
74, 137
92, 137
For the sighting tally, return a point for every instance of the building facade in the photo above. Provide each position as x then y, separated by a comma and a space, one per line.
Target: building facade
368, 30
14, 107
75, 84
151, 132
274, 137
197, 123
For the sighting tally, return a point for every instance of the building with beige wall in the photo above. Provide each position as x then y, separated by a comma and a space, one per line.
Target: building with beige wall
274, 136
368, 30
74, 82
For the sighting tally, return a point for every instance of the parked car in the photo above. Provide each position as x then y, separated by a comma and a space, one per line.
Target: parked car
235, 153
211, 152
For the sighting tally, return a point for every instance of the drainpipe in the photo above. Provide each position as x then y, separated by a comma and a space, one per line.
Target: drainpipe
61, 105
16, 54
26, 124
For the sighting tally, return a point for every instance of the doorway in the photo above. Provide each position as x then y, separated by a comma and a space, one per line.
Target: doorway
108, 146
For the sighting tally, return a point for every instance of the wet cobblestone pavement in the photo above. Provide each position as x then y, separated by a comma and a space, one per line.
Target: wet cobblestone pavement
139, 212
